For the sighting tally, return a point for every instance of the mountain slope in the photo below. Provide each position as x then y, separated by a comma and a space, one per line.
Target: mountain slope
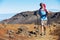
29, 17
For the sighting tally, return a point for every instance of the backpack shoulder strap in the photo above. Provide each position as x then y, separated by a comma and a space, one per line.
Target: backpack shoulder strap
39, 11
46, 11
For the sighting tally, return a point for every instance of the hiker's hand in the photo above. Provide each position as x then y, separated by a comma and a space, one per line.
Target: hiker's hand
49, 12
37, 15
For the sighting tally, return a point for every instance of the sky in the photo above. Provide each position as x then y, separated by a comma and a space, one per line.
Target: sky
11, 7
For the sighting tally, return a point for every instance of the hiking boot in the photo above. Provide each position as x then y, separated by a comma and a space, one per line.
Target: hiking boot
43, 34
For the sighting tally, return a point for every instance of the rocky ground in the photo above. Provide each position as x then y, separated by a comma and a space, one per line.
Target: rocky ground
28, 32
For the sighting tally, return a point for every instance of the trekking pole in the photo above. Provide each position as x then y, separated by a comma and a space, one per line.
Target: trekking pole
50, 32
37, 25
49, 25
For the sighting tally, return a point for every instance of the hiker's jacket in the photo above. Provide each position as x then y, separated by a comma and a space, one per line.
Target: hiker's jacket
43, 14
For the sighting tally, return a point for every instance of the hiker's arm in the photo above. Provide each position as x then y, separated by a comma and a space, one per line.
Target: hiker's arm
35, 13
48, 12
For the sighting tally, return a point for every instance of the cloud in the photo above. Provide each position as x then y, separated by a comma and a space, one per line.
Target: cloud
54, 10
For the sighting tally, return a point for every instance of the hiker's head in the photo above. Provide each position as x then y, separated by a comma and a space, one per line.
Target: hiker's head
42, 5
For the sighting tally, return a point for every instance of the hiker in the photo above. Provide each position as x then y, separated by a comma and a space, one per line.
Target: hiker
43, 17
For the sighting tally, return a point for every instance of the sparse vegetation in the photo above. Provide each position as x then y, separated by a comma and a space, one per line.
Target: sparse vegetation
26, 31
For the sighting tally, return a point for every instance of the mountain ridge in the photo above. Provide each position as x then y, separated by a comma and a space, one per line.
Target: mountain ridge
28, 17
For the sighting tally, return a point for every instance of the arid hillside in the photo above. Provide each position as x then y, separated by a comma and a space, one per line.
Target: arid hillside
28, 32
26, 26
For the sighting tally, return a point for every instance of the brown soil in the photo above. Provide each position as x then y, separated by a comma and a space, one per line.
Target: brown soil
12, 32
